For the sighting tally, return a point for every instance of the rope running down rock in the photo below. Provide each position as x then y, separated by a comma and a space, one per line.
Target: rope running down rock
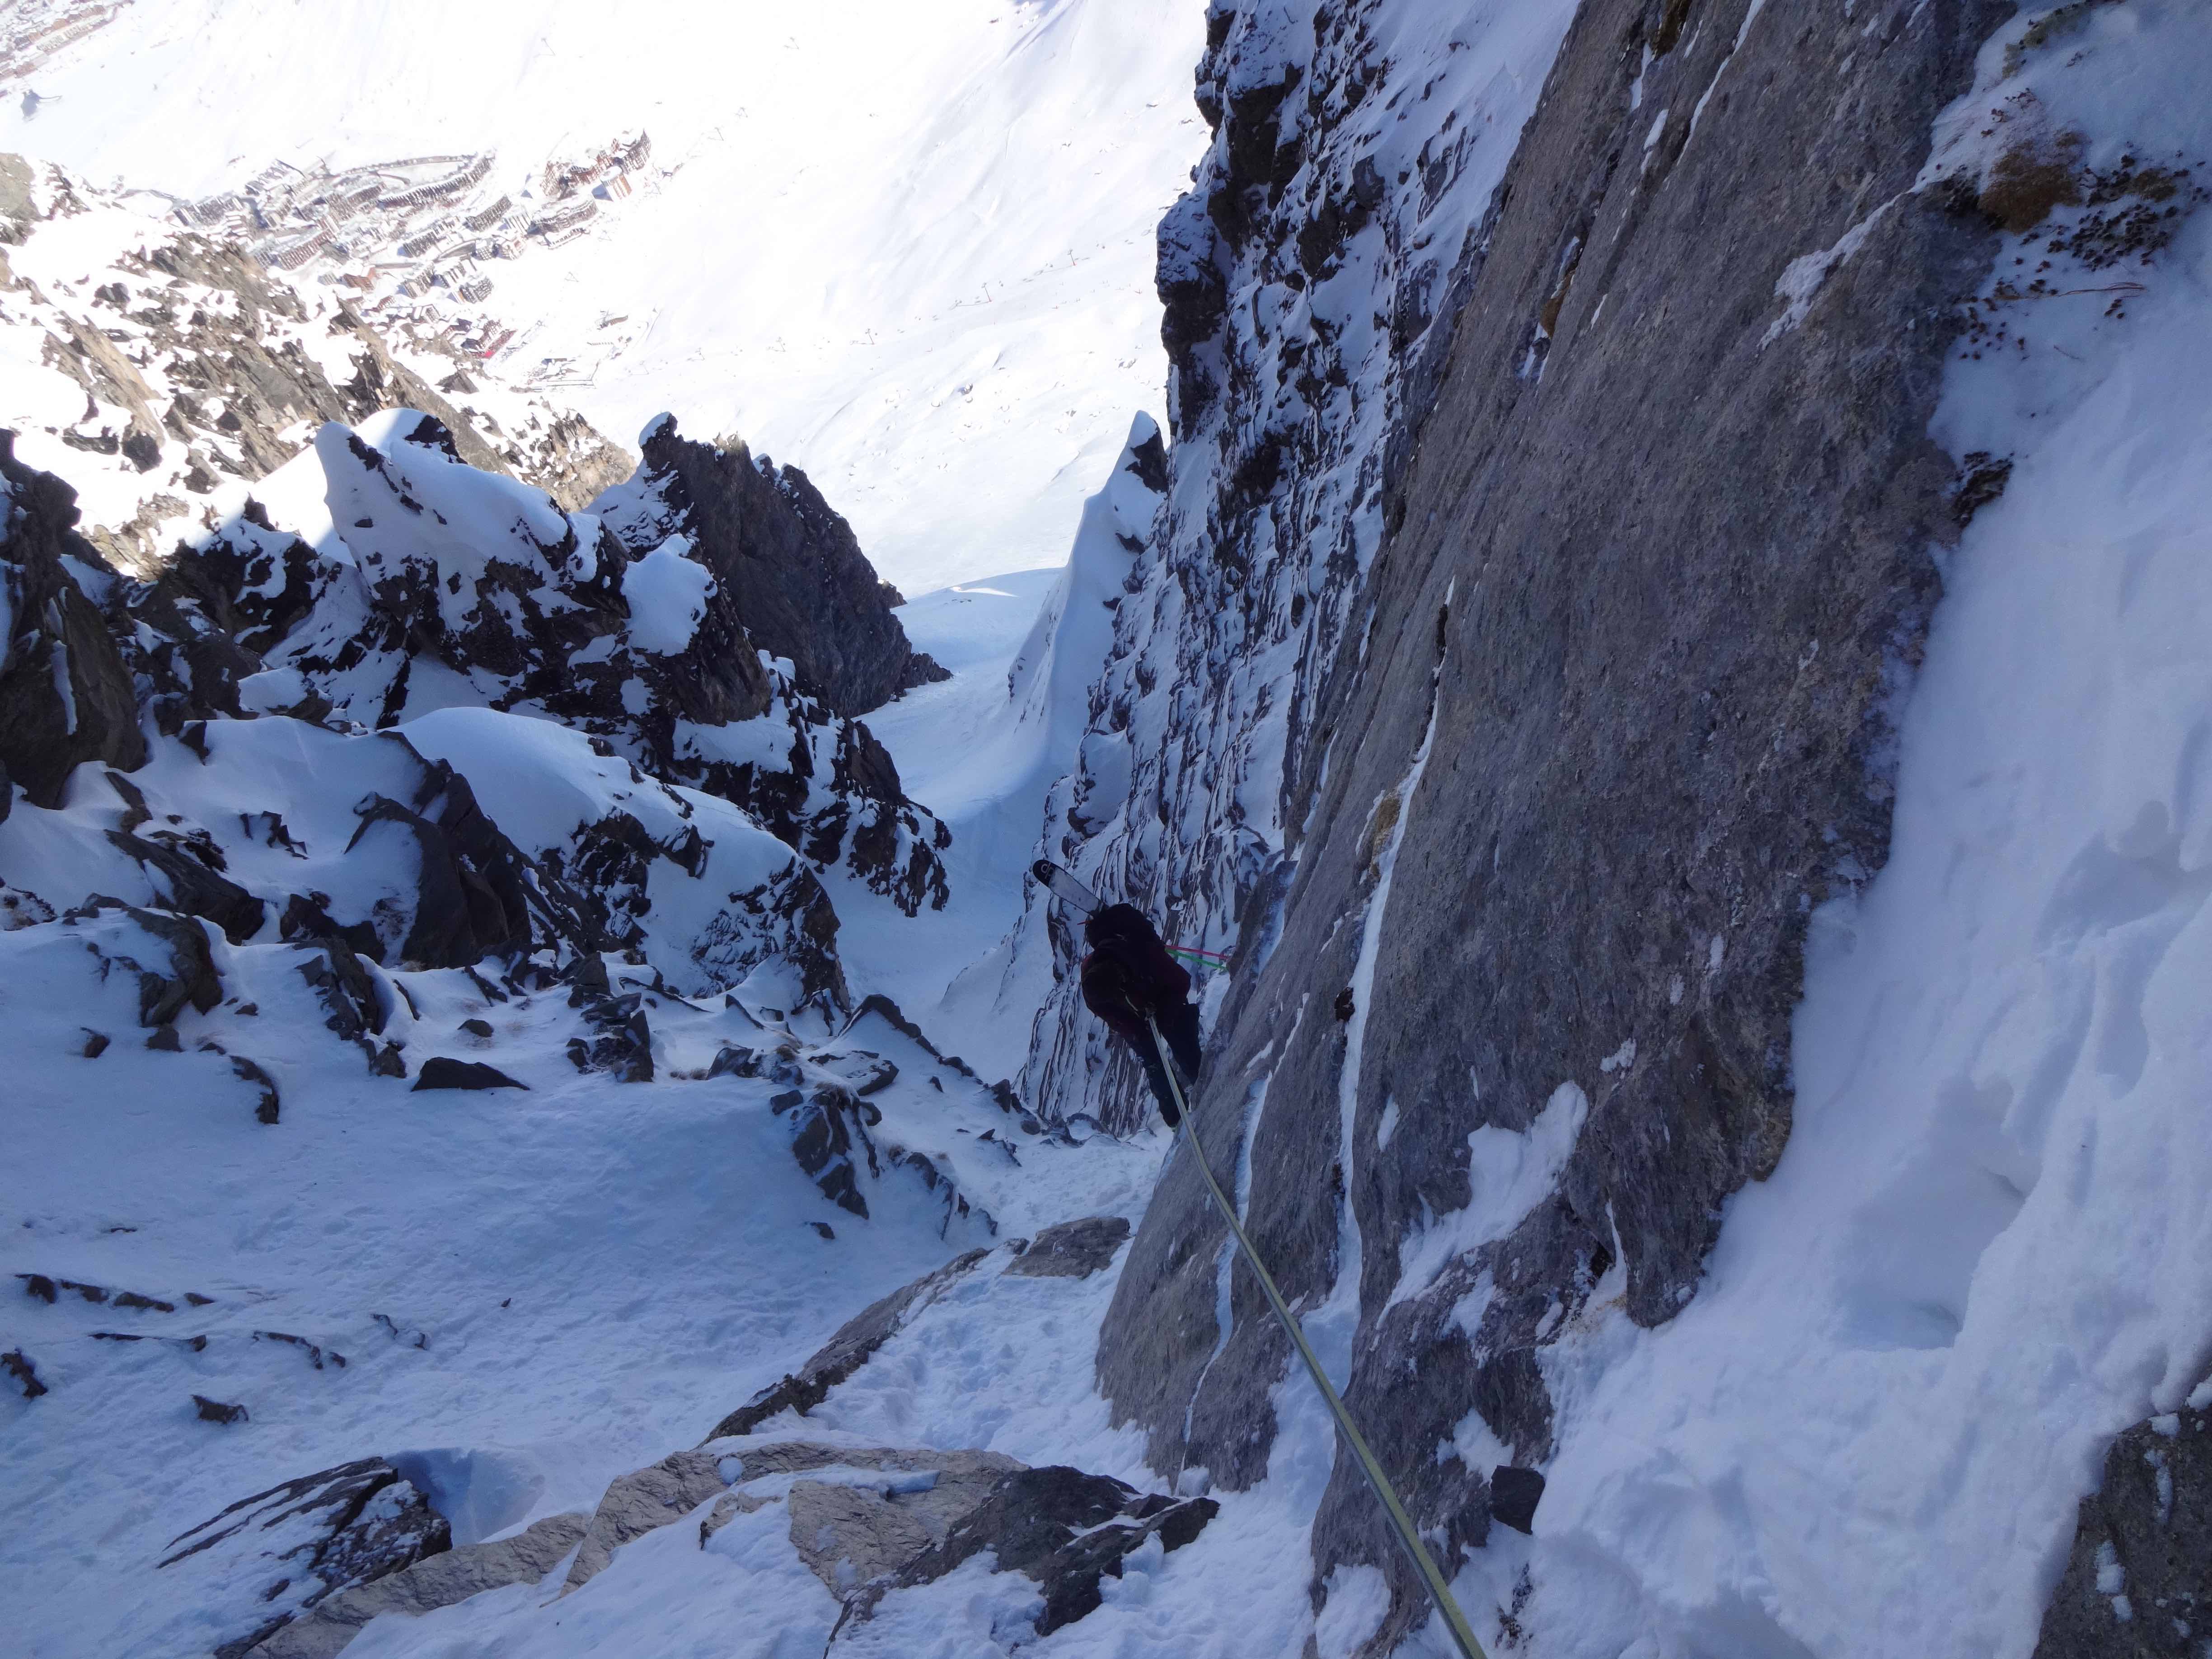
1409, 1534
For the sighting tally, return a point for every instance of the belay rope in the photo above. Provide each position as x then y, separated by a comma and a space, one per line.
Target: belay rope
1400, 1521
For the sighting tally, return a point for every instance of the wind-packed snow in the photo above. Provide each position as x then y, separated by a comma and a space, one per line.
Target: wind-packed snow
598, 1272
666, 590
908, 246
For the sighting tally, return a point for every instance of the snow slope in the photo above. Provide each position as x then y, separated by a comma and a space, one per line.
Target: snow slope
909, 247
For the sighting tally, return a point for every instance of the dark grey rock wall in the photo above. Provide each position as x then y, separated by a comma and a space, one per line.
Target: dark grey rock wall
805, 589
1652, 587
2138, 1583
66, 694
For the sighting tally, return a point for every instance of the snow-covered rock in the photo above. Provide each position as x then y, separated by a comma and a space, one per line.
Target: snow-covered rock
279, 1555
803, 589
410, 581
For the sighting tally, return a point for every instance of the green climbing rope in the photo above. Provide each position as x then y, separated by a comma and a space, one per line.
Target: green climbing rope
1409, 1534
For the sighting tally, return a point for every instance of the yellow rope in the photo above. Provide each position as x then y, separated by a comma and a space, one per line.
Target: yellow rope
1409, 1534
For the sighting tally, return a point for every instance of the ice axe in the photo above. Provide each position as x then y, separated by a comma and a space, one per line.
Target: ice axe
1062, 886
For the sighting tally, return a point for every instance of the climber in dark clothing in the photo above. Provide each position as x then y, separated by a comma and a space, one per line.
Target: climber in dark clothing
1127, 974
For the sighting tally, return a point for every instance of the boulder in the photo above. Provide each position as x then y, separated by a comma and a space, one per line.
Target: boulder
1072, 1249
439, 1072
280, 1553
437, 1580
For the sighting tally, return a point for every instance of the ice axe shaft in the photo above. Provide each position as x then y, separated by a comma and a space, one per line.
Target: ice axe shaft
1062, 886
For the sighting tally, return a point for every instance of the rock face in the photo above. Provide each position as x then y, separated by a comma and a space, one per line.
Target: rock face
65, 694
2136, 1583
802, 587
1309, 278
285, 1551
1557, 792
437, 1580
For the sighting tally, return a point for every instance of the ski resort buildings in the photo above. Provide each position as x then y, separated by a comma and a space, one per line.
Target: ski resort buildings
402, 233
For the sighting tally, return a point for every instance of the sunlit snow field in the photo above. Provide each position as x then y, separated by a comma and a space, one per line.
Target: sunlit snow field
908, 247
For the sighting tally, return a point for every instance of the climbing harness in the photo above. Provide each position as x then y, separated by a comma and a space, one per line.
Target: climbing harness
1409, 1535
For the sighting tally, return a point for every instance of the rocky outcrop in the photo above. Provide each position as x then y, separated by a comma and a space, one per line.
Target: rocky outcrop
66, 696
637, 640
2135, 1585
438, 1581
567, 458
1649, 576
1065, 1529
281, 1553
855, 1342
168, 954
872, 1521
1072, 1249
801, 587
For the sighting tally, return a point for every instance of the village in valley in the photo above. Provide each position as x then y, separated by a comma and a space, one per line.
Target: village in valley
416, 242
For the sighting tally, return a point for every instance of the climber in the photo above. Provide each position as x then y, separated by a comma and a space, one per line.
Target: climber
1129, 974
